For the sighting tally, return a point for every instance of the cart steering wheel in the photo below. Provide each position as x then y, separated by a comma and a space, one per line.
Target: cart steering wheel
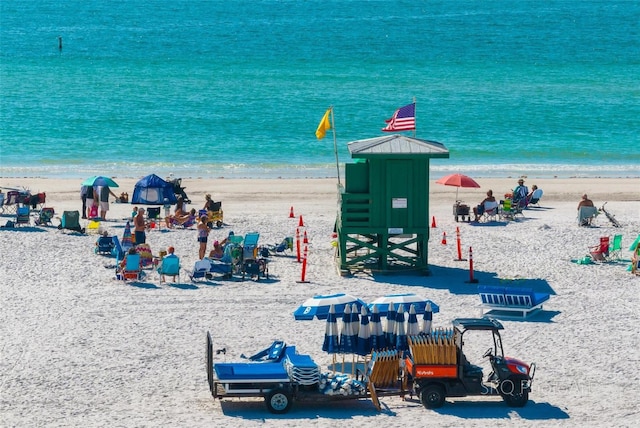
488, 353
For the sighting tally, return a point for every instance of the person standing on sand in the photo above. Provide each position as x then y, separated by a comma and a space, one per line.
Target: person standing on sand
83, 195
203, 235
103, 193
139, 227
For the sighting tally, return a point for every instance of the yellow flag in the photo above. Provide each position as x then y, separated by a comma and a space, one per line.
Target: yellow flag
324, 125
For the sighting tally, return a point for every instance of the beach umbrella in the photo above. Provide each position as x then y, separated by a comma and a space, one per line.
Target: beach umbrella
401, 335
127, 240
390, 329
99, 180
346, 335
412, 323
364, 334
355, 319
378, 340
406, 299
458, 180
330, 344
426, 320
318, 306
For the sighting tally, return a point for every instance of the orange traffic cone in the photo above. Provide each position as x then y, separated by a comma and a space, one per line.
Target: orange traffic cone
433, 221
444, 238
300, 223
305, 240
291, 213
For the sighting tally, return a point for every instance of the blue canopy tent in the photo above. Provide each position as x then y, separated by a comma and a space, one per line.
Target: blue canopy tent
153, 190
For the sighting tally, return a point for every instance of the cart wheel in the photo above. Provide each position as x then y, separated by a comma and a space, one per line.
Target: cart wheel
432, 397
456, 219
219, 224
516, 398
278, 401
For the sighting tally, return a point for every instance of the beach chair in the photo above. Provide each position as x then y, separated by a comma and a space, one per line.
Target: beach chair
132, 269
586, 215
71, 220
23, 216
153, 218
146, 257
505, 211
535, 197
600, 252
12, 201
170, 266
45, 217
615, 248
1, 202
490, 212
104, 246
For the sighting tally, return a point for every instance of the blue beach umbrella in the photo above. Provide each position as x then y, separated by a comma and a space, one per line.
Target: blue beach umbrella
317, 307
347, 344
426, 320
99, 180
364, 334
330, 344
378, 340
401, 335
390, 329
355, 319
405, 299
413, 328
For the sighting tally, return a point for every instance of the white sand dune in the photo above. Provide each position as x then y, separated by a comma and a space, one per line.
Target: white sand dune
82, 349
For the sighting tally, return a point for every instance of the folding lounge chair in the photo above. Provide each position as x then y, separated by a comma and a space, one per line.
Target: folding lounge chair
23, 216
12, 201
490, 212
170, 266
104, 246
615, 248
1, 202
71, 220
586, 215
45, 217
535, 197
600, 252
132, 269
153, 218
506, 212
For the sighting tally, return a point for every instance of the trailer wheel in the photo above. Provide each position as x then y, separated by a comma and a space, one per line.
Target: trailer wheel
432, 396
278, 401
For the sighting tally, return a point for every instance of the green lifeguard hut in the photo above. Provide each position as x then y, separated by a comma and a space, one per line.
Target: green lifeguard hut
383, 207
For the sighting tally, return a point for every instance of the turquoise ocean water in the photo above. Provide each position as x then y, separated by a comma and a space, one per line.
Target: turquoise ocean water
237, 88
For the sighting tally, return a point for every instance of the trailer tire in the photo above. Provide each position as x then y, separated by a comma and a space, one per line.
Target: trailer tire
432, 397
278, 401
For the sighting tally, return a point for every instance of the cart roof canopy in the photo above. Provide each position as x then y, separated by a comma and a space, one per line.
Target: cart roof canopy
477, 324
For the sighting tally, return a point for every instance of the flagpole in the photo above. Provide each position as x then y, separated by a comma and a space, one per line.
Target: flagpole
415, 117
335, 144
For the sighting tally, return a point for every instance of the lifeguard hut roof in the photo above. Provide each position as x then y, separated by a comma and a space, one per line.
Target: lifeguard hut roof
398, 146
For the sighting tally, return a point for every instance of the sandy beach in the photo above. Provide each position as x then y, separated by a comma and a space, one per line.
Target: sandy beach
80, 348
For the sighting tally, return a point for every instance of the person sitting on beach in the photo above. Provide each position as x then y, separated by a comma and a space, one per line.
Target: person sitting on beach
585, 202
535, 194
179, 213
520, 192
479, 210
170, 255
218, 250
209, 204
123, 262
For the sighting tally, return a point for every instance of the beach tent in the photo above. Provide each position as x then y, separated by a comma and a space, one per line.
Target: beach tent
153, 190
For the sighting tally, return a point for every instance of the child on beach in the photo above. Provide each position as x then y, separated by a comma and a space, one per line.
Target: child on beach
203, 234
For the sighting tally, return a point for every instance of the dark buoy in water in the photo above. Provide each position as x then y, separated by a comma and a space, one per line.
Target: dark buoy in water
60, 43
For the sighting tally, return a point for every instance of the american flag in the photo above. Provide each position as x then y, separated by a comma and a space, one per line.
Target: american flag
404, 119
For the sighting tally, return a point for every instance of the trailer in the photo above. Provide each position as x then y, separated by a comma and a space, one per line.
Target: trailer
281, 375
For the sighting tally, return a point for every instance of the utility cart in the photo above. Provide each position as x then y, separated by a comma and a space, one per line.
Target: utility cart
461, 211
437, 367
